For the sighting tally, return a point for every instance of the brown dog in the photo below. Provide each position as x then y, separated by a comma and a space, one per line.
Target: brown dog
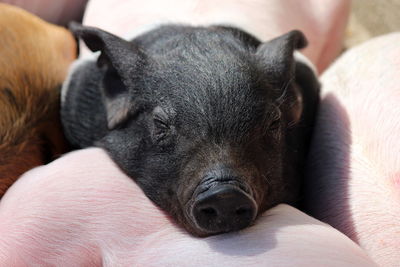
34, 58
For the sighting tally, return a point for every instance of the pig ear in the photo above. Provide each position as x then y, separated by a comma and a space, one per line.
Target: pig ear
122, 60
278, 58
116, 98
119, 53
277, 54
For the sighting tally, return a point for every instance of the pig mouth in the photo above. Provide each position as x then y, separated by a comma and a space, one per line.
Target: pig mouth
221, 205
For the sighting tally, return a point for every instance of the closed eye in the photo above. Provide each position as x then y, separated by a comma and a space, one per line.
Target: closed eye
160, 118
161, 124
162, 128
274, 119
274, 125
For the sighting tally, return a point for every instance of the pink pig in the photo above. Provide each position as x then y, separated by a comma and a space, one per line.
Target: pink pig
354, 170
323, 22
81, 210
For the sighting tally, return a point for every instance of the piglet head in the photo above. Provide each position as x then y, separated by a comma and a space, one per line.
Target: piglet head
200, 121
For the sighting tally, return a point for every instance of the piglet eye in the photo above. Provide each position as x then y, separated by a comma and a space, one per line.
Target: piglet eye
275, 124
160, 118
273, 130
160, 131
275, 120
160, 124
161, 127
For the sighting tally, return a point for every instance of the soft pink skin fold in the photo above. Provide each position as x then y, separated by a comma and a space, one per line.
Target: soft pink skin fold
323, 22
354, 170
81, 210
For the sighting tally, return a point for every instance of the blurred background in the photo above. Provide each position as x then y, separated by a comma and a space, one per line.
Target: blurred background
368, 18
55, 11
371, 18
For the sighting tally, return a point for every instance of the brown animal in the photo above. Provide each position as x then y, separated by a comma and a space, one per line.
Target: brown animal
34, 58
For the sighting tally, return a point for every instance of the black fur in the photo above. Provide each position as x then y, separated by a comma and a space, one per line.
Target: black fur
179, 101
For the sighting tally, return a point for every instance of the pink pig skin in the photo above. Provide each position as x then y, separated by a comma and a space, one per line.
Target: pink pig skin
354, 170
81, 210
323, 22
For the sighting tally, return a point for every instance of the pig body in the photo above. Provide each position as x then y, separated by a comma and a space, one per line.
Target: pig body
322, 22
354, 165
34, 57
210, 122
81, 210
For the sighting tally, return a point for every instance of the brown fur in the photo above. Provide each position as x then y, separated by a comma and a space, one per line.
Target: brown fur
34, 57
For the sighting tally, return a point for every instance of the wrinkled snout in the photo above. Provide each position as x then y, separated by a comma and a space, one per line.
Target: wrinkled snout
223, 208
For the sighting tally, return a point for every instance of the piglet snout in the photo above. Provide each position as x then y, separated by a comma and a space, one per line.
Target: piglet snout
223, 208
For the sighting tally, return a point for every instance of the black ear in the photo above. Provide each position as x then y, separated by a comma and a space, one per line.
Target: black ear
278, 59
122, 60
277, 54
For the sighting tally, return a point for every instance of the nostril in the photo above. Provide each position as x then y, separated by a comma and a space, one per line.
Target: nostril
243, 211
209, 211
223, 208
